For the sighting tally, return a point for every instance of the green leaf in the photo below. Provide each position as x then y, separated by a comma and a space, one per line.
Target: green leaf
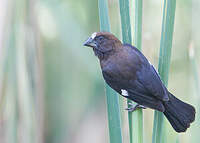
135, 118
125, 21
112, 97
138, 114
138, 24
164, 61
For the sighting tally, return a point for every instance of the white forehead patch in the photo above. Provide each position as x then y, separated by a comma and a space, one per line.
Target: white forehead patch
94, 35
124, 92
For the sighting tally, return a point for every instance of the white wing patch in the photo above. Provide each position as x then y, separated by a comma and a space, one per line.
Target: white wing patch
124, 92
94, 35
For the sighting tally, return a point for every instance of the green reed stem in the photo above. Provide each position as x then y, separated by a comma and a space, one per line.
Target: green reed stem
111, 96
164, 62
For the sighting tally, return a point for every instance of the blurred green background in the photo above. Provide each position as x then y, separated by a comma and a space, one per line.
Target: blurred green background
51, 87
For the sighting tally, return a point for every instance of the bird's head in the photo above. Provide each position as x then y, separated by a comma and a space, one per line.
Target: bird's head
103, 43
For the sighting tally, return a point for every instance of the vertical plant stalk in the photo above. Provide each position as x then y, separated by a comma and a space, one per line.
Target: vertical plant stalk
194, 67
138, 114
138, 24
177, 139
9, 72
11, 86
125, 21
164, 61
25, 98
34, 52
111, 96
9, 83
4, 38
196, 83
135, 118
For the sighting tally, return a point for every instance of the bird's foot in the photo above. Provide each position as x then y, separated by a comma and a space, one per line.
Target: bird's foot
134, 107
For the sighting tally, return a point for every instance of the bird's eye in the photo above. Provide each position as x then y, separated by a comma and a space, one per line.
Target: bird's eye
100, 38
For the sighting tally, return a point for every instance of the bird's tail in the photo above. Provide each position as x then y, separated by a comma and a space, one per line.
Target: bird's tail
179, 114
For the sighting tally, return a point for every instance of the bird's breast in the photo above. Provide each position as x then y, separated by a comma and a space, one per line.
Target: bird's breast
119, 68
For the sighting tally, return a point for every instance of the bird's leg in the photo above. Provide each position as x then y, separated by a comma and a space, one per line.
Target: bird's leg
133, 107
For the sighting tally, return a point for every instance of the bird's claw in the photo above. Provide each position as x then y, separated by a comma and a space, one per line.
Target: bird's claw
134, 107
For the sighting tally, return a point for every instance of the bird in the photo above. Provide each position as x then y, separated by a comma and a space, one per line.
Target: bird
126, 70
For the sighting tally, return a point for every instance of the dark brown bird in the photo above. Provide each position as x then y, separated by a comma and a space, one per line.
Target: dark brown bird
127, 71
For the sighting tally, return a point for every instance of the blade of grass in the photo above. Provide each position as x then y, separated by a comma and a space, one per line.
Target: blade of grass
25, 96
126, 36
11, 86
164, 62
138, 24
112, 98
125, 21
4, 38
138, 115
35, 62
196, 84
135, 118
177, 140
194, 67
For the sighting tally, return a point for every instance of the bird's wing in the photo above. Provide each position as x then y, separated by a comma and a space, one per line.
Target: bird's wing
135, 91
151, 81
149, 78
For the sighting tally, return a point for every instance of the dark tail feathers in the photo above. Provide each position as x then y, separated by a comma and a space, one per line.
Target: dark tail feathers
179, 114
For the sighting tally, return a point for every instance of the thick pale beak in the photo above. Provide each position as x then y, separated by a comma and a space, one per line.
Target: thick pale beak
90, 43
